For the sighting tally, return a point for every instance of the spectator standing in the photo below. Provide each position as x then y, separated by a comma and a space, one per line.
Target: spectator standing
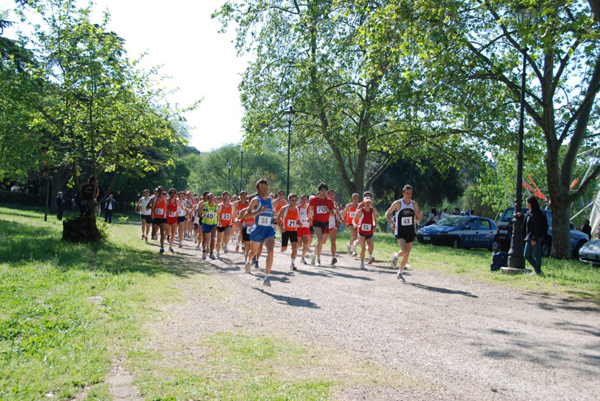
444, 214
586, 228
536, 228
109, 206
60, 205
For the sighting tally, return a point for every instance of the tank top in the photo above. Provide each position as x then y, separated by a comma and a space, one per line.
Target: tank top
366, 223
351, 213
242, 206
225, 213
279, 206
332, 222
181, 209
404, 219
264, 219
209, 214
290, 219
172, 208
159, 210
303, 216
145, 211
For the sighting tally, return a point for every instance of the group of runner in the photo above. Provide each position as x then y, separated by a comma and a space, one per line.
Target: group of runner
252, 222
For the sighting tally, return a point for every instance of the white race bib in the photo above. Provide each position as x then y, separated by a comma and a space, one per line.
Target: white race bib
210, 216
291, 223
159, 211
263, 221
406, 221
352, 214
322, 209
226, 216
365, 227
172, 214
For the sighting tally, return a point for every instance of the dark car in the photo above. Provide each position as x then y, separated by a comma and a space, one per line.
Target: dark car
460, 232
504, 235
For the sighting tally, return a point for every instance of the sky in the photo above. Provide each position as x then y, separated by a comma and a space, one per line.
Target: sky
180, 36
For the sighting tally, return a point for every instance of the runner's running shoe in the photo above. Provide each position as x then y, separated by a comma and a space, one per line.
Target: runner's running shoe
267, 283
333, 261
399, 276
394, 261
371, 260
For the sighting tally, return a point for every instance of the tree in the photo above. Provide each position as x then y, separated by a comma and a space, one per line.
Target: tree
311, 55
470, 53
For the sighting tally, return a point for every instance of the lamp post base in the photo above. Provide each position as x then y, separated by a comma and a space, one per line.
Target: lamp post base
514, 270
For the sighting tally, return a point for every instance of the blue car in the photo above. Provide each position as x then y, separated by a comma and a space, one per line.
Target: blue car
460, 232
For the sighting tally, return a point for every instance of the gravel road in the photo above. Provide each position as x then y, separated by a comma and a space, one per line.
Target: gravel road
450, 338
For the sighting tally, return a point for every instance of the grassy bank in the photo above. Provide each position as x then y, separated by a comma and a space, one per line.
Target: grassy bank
571, 278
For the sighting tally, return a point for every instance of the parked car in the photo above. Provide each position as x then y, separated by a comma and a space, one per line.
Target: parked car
590, 252
504, 234
460, 232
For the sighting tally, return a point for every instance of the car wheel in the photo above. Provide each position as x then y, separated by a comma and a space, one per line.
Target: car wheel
577, 248
456, 243
496, 246
546, 247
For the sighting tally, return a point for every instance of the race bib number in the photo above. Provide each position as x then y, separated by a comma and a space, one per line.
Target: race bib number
210, 216
159, 211
226, 216
352, 214
263, 221
406, 221
322, 210
365, 227
172, 214
291, 223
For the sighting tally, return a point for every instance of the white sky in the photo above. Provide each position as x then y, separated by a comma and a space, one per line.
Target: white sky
180, 36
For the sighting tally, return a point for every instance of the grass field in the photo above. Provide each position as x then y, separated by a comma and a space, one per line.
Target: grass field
67, 311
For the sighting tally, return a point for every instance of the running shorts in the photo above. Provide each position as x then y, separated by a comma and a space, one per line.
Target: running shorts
206, 228
408, 237
146, 217
222, 229
286, 236
366, 236
323, 225
261, 233
180, 219
303, 231
159, 221
246, 234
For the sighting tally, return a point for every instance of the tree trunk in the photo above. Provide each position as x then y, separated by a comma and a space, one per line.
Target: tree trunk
561, 241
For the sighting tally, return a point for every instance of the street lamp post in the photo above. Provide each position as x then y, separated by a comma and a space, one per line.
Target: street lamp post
229, 177
241, 168
290, 118
516, 261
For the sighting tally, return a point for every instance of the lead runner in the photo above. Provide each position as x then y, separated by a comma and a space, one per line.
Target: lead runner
406, 214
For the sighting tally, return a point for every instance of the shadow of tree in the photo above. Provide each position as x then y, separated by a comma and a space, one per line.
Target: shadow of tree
443, 290
291, 301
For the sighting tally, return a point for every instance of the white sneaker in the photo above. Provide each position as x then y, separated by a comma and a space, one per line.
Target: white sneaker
218, 255
399, 276
225, 249
171, 248
394, 261
348, 249
267, 283
180, 244
247, 267
203, 255
318, 262
362, 266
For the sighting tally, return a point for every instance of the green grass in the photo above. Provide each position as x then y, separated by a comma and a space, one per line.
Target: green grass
571, 278
68, 311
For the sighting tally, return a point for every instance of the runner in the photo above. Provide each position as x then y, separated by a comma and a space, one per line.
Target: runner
159, 213
304, 234
406, 214
243, 236
226, 213
279, 203
189, 221
210, 219
183, 210
364, 222
333, 226
319, 210
196, 216
261, 208
287, 220
145, 214
348, 213
155, 227
173, 206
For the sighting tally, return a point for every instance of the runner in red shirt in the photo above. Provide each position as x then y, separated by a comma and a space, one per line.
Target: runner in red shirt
364, 222
319, 210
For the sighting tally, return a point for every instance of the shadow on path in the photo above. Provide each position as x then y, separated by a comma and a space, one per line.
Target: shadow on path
442, 290
292, 301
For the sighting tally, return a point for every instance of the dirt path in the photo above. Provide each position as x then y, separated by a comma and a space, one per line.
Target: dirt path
446, 336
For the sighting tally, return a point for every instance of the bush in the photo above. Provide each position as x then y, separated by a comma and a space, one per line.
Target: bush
83, 229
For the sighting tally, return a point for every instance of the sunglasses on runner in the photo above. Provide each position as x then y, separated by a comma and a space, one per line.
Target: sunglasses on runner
263, 186
293, 200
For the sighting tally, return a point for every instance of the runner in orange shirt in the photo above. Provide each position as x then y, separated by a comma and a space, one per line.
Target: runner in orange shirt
287, 219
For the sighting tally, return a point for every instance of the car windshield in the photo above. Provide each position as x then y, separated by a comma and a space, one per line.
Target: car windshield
453, 221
